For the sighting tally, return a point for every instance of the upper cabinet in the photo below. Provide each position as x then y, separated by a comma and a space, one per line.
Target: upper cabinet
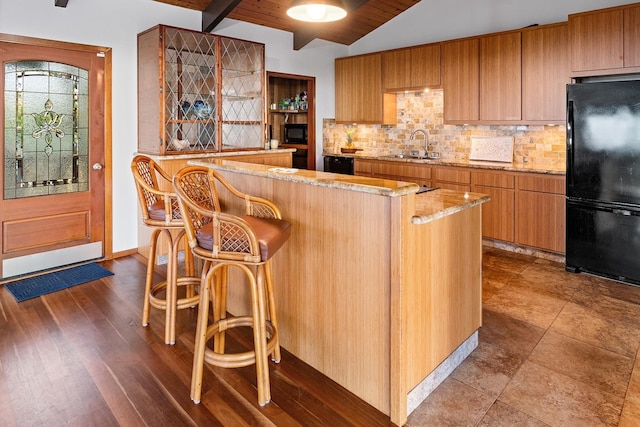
500, 77
359, 94
515, 77
198, 92
545, 73
605, 41
413, 68
461, 80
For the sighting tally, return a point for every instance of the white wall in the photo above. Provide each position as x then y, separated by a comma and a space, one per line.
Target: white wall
116, 23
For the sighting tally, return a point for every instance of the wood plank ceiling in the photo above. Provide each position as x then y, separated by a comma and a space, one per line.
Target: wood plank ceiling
363, 16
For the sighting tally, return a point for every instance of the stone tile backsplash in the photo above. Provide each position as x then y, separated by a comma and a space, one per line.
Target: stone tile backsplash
544, 145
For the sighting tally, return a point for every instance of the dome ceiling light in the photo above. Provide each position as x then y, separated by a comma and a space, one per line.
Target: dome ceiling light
317, 10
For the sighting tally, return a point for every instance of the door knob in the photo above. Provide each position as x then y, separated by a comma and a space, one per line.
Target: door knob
97, 166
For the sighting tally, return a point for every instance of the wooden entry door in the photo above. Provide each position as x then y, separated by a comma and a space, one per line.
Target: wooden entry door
52, 126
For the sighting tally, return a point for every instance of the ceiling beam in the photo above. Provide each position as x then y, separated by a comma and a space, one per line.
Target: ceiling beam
62, 3
303, 37
215, 12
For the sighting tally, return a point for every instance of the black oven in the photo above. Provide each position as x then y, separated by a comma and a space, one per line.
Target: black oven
295, 133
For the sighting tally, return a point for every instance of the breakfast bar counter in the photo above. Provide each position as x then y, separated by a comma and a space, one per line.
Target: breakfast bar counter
378, 288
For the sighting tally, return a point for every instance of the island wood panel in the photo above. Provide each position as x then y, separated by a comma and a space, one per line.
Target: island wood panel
349, 274
331, 282
443, 301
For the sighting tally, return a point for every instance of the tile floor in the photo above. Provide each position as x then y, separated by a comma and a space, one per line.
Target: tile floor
556, 349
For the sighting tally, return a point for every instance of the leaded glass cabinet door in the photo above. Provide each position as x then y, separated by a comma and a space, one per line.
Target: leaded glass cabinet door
53, 148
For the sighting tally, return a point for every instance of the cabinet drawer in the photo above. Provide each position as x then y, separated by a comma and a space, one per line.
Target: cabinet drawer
362, 168
457, 175
542, 183
405, 170
491, 179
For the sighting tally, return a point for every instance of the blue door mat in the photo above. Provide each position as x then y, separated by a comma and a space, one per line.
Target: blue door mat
41, 285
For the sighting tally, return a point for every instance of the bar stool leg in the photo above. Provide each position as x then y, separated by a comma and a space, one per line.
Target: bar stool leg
271, 304
260, 336
201, 333
220, 305
173, 246
149, 279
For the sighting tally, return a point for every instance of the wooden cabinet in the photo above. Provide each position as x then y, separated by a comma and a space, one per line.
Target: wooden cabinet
500, 77
282, 86
545, 73
498, 219
398, 171
525, 209
413, 68
452, 178
198, 92
461, 80
541, 211
359, 94
605, 41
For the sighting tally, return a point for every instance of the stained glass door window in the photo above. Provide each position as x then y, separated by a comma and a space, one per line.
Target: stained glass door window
46, 129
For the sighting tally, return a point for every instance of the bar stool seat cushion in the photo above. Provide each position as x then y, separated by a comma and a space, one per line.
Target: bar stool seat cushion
157, 211
271, 233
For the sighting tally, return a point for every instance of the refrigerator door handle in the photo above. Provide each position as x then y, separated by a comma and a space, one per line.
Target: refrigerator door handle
569, 144
623, 212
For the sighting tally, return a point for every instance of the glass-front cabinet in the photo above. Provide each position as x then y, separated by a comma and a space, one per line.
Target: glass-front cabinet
198, 92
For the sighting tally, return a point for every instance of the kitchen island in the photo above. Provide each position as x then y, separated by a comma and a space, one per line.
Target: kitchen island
378, 288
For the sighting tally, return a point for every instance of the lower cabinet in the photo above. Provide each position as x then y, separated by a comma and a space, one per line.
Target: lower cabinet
526, 209
541, 208
498, 219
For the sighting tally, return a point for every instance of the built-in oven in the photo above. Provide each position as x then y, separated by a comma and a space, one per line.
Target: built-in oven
338, 164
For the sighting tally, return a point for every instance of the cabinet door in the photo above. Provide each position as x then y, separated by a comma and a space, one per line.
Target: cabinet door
541, 220
632, 37
425, 66
396, 69
461, 80
498, 220
545, 73
500, 77
596, 40
359, 95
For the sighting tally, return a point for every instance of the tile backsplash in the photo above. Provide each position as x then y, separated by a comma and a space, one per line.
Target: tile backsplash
544, 145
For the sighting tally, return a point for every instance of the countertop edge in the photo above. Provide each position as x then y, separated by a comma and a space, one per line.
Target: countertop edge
317, 178
510, 167
471, 200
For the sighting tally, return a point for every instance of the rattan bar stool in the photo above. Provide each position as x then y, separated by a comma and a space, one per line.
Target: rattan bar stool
161, 212
224, 242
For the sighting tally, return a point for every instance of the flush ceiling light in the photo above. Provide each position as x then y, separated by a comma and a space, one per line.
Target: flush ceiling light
317, 10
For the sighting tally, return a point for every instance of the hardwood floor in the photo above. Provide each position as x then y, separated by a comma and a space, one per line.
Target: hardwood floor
555, 349
81, 357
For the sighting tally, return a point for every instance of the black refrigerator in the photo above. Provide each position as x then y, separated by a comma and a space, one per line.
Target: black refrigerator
603, 179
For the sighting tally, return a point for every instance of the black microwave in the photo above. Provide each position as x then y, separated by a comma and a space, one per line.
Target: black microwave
295, 133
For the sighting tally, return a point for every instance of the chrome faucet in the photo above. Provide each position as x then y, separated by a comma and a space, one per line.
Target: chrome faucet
426, 139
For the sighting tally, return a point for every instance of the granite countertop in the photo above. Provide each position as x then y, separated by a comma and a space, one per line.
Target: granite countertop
512, 167
439, 203
219, 154
384, 187
429, 206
